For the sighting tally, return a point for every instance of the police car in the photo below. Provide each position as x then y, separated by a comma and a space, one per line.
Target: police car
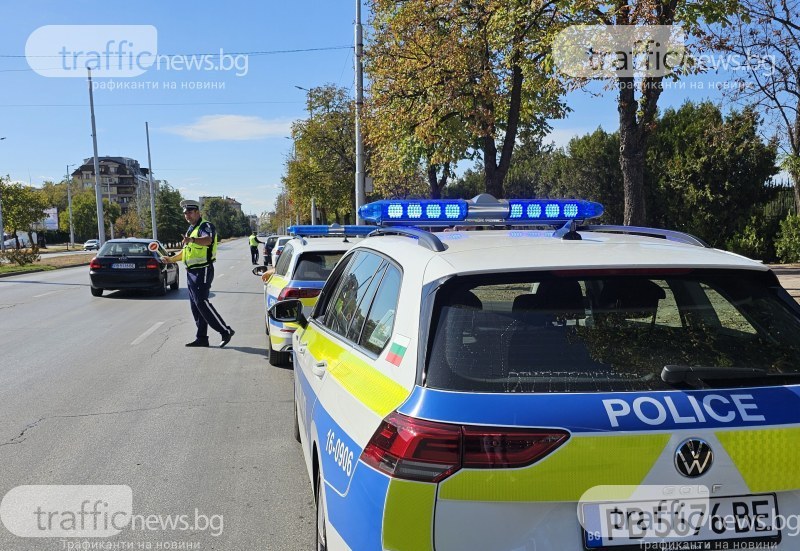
308, 257
548, 384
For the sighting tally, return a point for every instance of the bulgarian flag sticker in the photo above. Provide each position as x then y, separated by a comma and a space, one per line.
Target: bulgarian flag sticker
398, 350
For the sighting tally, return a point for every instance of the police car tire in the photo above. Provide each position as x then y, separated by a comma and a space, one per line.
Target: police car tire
322, 543
96, 292
278, 359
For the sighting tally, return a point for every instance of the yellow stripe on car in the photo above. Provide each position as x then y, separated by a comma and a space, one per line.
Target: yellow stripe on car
767, 459
372, 388
410, 507
580, 464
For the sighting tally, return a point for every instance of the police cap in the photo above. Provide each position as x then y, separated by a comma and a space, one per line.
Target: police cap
188, 204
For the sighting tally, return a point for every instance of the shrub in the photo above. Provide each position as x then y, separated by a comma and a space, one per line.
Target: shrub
788, 243
22, 257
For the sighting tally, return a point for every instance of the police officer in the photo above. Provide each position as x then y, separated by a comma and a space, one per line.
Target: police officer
254, 241
198, 254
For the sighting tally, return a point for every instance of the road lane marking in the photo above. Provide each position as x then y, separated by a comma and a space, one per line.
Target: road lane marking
147, 333
48, 293
220, 275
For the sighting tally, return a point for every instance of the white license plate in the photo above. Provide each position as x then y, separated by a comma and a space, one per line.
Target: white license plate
664, 524
123, 266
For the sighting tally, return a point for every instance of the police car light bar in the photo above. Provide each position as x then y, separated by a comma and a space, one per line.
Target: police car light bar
483, 209
334, 230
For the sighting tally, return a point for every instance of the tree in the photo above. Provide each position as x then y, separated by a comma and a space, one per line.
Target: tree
23, 207
228, 221
766, 34
708, 171
322, 165
84, 213
637, 115
129, 224
169, 216
452, 77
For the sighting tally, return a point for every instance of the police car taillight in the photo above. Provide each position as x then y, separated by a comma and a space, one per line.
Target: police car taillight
295, 292
427, 451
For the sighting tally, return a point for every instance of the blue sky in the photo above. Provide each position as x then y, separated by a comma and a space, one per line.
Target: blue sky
229, 139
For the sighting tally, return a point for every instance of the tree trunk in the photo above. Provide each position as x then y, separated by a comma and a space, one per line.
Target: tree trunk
495, 173
436, 183
631, 155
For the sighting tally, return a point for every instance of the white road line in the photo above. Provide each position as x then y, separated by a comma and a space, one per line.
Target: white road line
220, 275
147, 333
48, 293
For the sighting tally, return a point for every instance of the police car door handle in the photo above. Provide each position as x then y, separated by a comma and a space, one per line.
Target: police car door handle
319, 368
301, 348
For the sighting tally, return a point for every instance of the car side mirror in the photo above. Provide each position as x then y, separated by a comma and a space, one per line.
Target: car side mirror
288, 311
258, 270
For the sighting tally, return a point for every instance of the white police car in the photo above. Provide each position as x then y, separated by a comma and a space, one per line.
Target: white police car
588, 387
304, 265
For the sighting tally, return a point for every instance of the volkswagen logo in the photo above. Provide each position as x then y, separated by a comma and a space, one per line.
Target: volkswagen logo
693, 457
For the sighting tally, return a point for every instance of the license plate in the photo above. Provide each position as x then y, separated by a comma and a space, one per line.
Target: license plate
123, 266
668, 523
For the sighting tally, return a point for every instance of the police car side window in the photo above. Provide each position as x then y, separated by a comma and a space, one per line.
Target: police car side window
352, 286
284, 261
380, 321
360, 314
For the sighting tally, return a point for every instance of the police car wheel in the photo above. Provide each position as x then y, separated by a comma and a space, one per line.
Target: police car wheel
322, 537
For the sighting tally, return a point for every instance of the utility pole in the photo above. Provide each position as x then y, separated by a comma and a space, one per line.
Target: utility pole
98, 193
360, 195
313, 211
152, 190
2, 227
69, 205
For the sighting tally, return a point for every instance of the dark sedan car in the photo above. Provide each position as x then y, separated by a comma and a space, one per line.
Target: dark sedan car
132, 263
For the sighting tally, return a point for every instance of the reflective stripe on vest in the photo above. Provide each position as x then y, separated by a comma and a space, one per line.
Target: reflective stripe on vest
197, 256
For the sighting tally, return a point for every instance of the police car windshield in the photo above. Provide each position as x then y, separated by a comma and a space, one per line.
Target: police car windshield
614, 330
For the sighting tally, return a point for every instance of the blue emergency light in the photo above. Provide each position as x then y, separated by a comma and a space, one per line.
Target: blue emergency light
483, 209
334, 230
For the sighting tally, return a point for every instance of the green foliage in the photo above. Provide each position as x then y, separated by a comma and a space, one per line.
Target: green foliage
84, 214
228, 221
21, 257
23, 206
787, 245
707, 172
449, 78
323, 163
169, 216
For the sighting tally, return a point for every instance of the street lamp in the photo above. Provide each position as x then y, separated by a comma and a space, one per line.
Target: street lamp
69, 204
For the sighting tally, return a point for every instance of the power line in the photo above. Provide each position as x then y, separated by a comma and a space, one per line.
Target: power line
149, 104
209, 54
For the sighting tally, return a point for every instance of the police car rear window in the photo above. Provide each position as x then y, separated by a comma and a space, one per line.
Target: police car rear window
601, 331
316, 266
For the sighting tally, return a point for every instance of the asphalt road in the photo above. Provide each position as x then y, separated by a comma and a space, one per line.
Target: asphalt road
103, 391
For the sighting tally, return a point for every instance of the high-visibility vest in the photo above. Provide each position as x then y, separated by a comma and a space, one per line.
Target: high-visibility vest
198, 256
253, 241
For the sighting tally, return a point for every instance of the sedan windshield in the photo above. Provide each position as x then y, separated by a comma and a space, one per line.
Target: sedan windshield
601, 331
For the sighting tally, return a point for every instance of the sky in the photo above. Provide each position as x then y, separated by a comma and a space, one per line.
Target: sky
213, 131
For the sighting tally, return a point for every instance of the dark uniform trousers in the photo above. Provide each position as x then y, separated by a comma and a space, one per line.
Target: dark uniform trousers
198, 280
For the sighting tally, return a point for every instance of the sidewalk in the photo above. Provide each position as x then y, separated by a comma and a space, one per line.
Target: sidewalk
789, 276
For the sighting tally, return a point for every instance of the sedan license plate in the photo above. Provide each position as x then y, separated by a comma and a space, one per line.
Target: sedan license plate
123, 266
712, 523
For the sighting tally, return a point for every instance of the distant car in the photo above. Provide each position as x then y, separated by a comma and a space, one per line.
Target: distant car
92, 245
278, 248
132, 263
